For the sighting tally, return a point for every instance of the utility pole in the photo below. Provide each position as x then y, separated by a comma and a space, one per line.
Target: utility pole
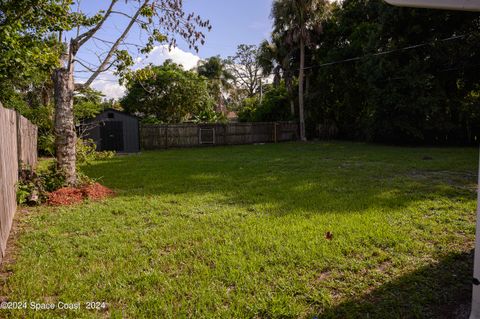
461, 5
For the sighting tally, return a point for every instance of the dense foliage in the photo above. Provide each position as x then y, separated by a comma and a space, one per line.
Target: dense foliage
379, 73
28, 55
274, 106
422, 88
25, 47
167, 94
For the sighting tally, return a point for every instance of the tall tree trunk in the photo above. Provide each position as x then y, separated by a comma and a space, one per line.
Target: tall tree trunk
65, 135
300, 91
307, 84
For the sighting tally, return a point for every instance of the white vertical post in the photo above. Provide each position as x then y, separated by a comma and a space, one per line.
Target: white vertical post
475, 313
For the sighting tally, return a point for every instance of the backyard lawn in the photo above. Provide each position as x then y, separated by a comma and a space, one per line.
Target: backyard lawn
240, 232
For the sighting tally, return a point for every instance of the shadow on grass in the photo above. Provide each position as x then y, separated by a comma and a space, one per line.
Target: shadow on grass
291, 178
282, 178
441, 290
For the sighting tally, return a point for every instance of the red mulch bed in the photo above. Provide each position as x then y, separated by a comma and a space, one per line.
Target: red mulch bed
69, 195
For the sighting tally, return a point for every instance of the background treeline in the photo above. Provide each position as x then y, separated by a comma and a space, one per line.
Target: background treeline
425, 89
373, 72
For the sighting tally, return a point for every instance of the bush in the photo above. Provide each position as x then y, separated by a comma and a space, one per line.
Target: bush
33, 188
46, 144
209, 116
87, 152
248, 111
275, 106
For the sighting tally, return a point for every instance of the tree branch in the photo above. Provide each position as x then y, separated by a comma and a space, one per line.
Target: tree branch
84, 37
84, 65
115, 46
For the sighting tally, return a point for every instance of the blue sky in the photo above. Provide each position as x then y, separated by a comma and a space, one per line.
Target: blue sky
234, 22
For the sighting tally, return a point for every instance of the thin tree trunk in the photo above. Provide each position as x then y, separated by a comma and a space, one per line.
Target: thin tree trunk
300, 91
307, 84
65, 135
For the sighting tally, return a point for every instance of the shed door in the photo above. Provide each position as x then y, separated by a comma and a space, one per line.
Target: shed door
112, 136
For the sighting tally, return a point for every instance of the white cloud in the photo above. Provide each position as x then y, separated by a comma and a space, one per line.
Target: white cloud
108, 84
161, 53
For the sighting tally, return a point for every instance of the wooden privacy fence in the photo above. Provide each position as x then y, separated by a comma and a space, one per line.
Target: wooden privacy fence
18, 144
154, 137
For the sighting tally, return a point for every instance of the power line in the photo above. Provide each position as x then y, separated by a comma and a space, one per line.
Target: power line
358, 58
410, 47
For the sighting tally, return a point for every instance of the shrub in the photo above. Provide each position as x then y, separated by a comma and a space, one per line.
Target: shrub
275, 106
248, 110
33, 187
209, 116
46, 144
87, 152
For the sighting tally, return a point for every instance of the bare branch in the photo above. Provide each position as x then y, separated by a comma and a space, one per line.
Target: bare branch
84, 65
124, 43
106, 61
130, 17
84, 37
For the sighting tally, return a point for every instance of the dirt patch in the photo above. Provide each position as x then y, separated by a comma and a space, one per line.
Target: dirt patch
6, 264
461, 180
70, 196
324, 275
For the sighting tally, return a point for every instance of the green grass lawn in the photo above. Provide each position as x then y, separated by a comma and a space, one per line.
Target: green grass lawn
239, 232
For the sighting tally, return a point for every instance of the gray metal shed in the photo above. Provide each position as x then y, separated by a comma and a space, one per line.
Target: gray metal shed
113, 130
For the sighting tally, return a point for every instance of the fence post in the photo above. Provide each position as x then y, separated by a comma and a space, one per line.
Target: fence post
166, 136
275, 132
225, 142
19, 137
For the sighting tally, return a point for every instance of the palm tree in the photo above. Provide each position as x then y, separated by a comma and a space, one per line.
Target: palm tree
297, 20
219, 77
275, 58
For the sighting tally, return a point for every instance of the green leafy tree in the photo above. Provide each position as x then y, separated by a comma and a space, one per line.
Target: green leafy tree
28, 55
276, 57
27, 48
168, 95
164, 21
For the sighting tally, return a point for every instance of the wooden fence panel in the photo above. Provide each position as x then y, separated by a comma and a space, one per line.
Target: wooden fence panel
287, 131
8, 173
18, 144
27, 142
182, 135
154, 137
